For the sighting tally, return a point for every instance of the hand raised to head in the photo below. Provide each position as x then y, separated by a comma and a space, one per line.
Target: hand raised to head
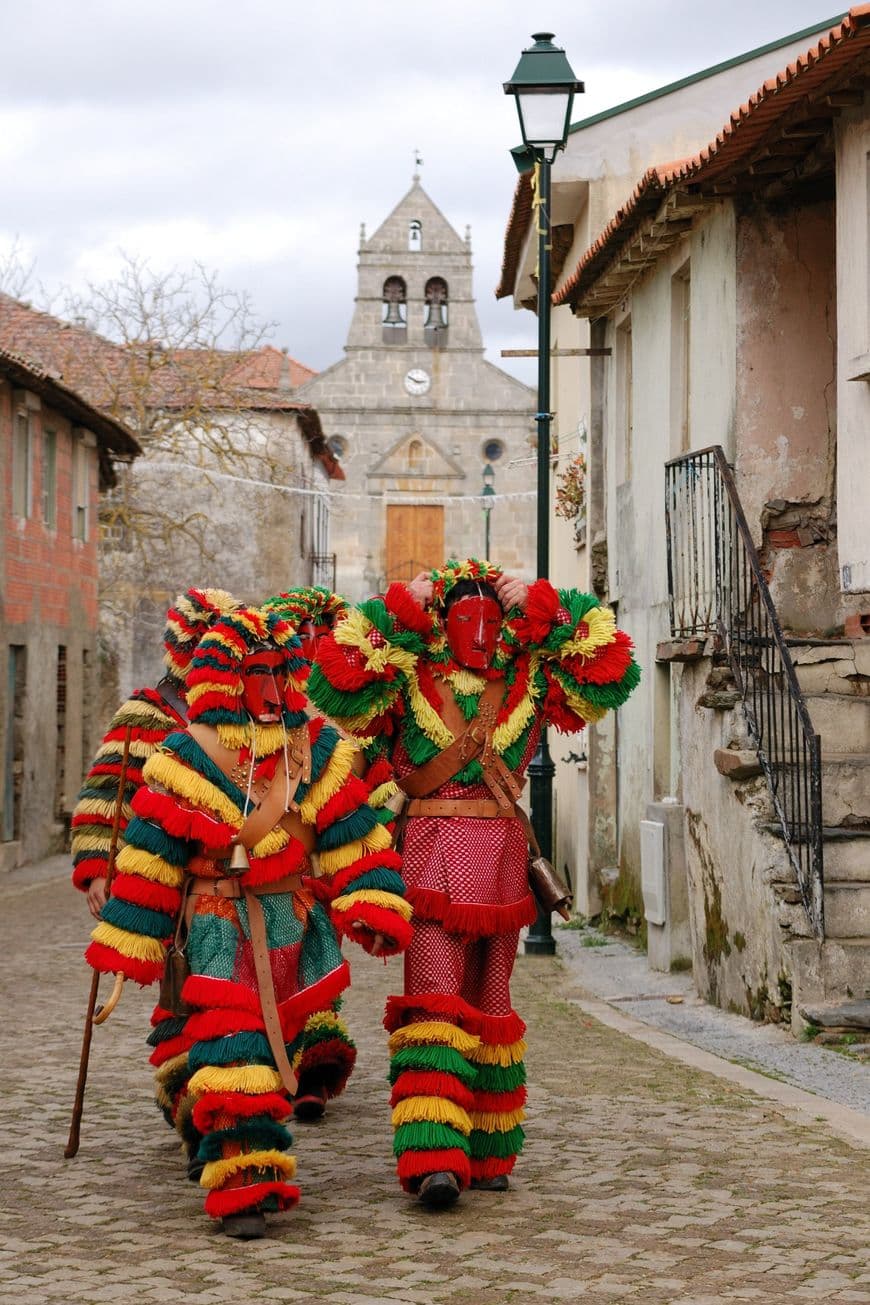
421, 589
511, 592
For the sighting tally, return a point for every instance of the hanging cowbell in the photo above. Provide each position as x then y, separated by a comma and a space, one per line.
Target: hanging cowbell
239, 862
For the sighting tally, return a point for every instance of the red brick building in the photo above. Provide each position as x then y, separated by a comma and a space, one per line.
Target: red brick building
56, 457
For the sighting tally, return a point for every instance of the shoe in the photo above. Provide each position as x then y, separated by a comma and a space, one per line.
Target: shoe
438, 1191
309, 1106
498, 1183
247, 1225
194, 1169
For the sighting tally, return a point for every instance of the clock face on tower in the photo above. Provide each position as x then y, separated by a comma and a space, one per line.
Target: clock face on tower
417, 381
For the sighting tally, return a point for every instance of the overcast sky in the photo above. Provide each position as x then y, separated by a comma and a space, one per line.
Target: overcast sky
256, 137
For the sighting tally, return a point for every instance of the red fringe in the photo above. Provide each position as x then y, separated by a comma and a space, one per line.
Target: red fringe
108, 961
413, 1165
166, 1050
537, 621
134, 772
209, 993
181, 821
499, 1030
266, 869
397, 932
141, 735
343, 667
145, 892
232, 1200
407, 611
159, 1014
472, 919
500, 1102
491, 1166
433, 1083
238, 1105
211, 675
349, 797
456, 1009
337, 1055
379, 772
222, 1023
95, 867
387, 860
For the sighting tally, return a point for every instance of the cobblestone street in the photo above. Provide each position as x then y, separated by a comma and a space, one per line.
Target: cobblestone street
641, 1180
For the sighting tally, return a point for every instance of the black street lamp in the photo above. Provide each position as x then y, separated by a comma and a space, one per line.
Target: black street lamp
544, 86
488, 494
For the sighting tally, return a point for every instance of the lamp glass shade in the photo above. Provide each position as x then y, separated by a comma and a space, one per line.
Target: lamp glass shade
545, 116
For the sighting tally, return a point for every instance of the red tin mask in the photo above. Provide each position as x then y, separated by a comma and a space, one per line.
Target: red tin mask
310, 636
473, 625
264, 680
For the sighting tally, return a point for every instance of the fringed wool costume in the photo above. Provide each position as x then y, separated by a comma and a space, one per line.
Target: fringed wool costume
152, 715
185, 819
387, 672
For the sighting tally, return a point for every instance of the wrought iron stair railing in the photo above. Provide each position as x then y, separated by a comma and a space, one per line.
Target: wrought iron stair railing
716, 587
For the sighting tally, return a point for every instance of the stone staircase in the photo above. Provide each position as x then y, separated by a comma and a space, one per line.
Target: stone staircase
831, 978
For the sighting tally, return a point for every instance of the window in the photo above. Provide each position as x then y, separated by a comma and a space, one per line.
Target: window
415, 455
415, 236
435, 315
680, 340
80, 504
13, 770
22, 465
49, 478
394, 311
493, 450
60, 745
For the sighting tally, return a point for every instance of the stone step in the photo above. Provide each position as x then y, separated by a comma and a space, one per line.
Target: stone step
847, 908
847, 854
846, 789
832, 971
838, 1015
843, 722
841, 666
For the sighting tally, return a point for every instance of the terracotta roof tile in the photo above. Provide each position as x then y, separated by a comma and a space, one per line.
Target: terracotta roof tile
515, 235
749, 130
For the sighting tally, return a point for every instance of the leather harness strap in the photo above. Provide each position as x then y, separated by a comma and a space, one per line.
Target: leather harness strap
173, 699
477, 808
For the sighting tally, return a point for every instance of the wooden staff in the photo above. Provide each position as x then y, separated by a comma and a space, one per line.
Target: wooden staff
72, 1145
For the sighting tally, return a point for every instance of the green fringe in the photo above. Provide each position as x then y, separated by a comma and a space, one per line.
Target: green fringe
186, 747
502, 1145
166, 1029
324, 1033
247, 1048
446, 1059
373, 698
347, 829
426, 1136
136, 919
258, 1133
500, 1078
151, 838
387, 881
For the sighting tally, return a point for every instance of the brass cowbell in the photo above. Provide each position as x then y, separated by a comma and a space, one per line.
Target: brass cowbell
239, 862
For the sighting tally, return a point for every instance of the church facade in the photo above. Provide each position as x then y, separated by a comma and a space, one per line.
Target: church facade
419, 418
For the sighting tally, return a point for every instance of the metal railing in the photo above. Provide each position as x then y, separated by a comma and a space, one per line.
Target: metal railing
716, 586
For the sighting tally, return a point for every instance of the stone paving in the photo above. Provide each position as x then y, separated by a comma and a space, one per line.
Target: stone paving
642, 1180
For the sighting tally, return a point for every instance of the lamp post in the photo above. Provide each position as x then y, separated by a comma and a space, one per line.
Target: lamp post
487, 493
544, 86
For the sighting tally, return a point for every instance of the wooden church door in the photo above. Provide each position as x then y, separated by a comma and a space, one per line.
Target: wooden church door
415, 540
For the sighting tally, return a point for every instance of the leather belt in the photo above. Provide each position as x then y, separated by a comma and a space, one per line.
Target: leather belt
232, 888
477, 808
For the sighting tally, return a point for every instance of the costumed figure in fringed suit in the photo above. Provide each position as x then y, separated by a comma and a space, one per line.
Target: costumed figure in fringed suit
221, 841
454, 675
152, 715
329, 1055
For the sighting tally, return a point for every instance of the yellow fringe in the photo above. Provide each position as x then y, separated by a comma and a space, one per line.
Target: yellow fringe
356, 726
377, 897
197, 691
427, 717
353, 631
97, 807
506, 1054
381, 795
511, 729
378, 839
602, 630
216, 1172
590, 711
269, 738
325, 1019
135, 946
429, 1032
169, 1067
179, 779
495, 1122
135, 861
467, 682
333, 778
255, 1080
438, 1110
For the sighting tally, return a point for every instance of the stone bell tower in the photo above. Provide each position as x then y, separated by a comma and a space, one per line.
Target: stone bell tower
415, 413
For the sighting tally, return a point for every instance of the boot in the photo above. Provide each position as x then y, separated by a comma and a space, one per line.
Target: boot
498, 1183
310, 1105
247, 1224
438, 1191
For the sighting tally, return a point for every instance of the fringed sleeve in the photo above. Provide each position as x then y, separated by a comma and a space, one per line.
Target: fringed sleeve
150, 721
364, 665
175, 807
360, 873
584, 665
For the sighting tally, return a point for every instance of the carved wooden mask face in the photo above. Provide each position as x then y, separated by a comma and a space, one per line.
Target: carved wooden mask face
473, 625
